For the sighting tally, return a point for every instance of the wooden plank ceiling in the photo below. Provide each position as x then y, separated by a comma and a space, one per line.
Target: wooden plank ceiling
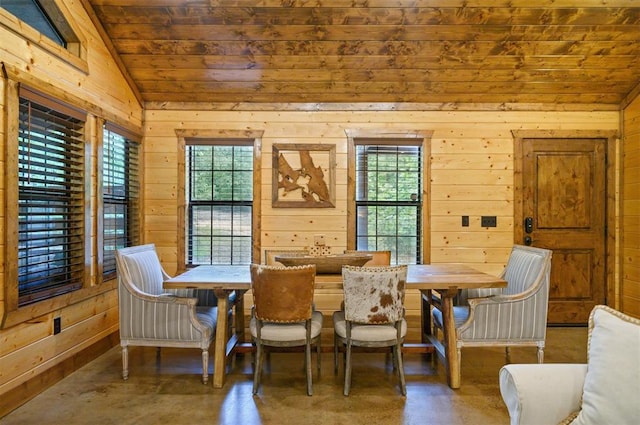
375, 51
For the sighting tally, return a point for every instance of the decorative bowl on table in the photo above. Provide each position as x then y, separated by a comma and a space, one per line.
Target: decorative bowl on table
325, 264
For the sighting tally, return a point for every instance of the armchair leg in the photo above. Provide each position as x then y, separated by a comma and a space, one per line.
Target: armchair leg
205, 366
541, 353
125, 362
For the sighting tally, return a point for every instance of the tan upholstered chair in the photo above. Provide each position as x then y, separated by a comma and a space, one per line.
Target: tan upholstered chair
282, 313
271, 254
373, 315
157, 317
511, 316
380, 258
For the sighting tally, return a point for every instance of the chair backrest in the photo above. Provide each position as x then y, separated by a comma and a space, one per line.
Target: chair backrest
527, 267
271, 254
379, 258
139, 266
283, 294
374, 294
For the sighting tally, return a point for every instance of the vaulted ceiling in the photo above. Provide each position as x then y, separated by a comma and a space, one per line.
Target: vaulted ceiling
397, 51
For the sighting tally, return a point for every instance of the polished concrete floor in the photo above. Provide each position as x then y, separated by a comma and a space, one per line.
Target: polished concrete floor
167, 390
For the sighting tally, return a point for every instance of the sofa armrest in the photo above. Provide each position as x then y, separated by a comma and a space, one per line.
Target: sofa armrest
541, 393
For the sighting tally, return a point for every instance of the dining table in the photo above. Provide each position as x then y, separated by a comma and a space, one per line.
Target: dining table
230, 282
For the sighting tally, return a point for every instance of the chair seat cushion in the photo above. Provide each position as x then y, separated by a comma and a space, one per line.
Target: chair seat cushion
285, 332
208, 316
460, 315
370, 333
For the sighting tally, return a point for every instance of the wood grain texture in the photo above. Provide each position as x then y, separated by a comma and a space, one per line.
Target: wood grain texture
630, 265
31, 356
448, 51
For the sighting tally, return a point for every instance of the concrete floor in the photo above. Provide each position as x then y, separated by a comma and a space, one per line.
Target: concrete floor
168, 390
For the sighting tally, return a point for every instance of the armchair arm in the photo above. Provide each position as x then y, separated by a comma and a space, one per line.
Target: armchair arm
173, 299
541, 393
498, 298
508, 312
170, 296
164, 316
481, 292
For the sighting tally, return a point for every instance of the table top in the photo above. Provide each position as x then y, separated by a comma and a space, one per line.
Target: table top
419, 276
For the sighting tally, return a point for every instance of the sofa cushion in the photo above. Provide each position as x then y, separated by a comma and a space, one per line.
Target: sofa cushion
610, 394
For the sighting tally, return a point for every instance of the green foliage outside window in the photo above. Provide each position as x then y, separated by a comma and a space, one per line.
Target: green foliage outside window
388, 182
220, 199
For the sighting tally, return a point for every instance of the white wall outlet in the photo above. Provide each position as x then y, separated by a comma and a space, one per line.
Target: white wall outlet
318, 240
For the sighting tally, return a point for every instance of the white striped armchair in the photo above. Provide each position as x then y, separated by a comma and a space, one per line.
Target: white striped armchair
511, 316
157, 317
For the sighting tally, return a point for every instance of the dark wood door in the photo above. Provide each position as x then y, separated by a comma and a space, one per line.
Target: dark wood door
564, 201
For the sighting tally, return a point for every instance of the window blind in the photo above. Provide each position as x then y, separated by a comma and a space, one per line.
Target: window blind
50, 199
120, 190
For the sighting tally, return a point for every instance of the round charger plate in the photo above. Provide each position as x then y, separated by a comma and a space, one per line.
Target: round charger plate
325, 264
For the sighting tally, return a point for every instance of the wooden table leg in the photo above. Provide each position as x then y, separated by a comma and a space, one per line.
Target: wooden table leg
425, 322
220, 343
239, 310
449, 331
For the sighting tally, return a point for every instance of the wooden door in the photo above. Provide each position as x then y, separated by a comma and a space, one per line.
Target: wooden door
564, 201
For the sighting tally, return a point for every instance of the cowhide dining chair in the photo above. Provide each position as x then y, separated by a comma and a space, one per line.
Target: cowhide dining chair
282, 314
373, 315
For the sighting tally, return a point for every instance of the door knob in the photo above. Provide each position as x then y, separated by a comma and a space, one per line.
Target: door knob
528, 241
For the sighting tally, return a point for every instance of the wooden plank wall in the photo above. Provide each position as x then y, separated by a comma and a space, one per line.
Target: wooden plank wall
630, 282
31, 357
471, 174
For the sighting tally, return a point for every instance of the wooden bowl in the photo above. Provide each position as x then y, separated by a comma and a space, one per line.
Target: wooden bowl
325, 264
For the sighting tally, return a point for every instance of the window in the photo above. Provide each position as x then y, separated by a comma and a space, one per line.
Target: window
388, 204
32, 12
45, 17
50, 198
219, 195
120, 191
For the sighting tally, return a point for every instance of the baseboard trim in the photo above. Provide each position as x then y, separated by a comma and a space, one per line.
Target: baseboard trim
28, 390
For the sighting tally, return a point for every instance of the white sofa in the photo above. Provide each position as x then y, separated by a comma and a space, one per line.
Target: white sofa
603, 391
